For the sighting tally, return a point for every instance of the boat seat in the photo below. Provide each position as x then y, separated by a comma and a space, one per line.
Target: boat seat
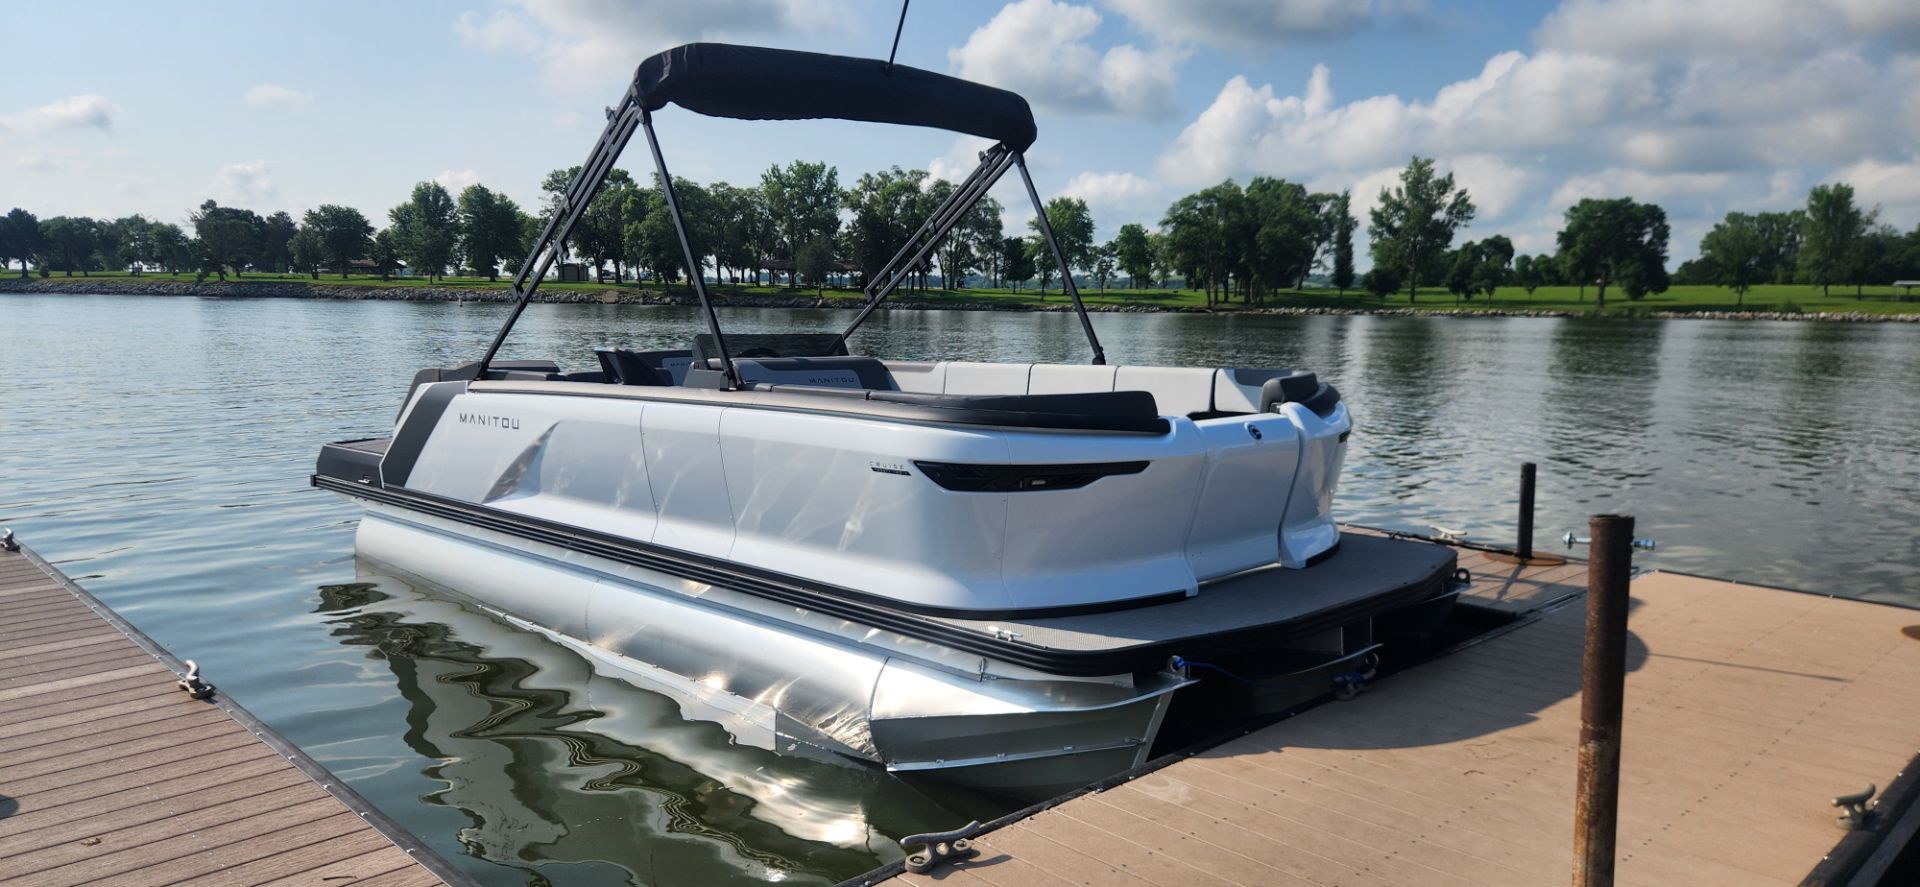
1242, 390
966, 377
922, 376
1055, 378
822, 372
1180, 391
1116, 410
624, 367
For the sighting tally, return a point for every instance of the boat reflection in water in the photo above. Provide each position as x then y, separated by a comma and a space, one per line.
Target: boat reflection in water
559, 760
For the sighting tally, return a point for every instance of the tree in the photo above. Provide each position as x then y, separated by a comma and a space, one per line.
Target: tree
1780, 235
1134, 252
1016, 262
803, 201
1831, 236
813, 262
1416, 221
276, 236
530, 228
70, 243
1526, 273
886, 211
1737, 254
1104, 264
130, 243
650, 241
1286, 227
1207, 238
1341, 208
1381, 281
384, 253
20, 239
229, 237
1040, 256
344, 233
307, 251
1495, 266
424, 229
489, 229
170, 247
1072, 225
1617, 241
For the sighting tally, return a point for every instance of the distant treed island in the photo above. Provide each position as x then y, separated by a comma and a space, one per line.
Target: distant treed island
1270, 244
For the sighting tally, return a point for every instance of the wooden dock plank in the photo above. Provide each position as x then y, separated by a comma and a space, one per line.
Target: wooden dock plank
1746, 710
116, 777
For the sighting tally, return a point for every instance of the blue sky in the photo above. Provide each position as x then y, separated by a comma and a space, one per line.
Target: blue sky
1703, 106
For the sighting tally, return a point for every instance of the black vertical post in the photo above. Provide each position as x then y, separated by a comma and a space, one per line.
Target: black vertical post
694, 274
1066, 272
1524, 550
1596, 811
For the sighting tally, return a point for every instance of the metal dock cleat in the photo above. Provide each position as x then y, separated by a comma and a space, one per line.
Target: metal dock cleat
1856, 810
942, 847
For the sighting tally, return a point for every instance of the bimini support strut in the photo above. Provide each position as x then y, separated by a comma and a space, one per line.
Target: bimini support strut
994, 163
1066, 273
621, 122
694, 274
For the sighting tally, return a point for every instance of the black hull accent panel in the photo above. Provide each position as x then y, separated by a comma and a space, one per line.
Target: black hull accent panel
357, 461
1264, 610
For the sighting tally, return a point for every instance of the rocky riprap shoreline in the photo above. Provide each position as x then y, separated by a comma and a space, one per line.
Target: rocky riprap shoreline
162, 286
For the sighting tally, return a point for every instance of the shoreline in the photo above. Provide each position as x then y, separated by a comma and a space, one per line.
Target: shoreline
321, 290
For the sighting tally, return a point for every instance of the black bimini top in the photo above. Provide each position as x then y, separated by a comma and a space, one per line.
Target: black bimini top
754, 83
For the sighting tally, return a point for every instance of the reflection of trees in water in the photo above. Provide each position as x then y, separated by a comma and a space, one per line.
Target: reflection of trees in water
539, 786
1605, 371
1404, 368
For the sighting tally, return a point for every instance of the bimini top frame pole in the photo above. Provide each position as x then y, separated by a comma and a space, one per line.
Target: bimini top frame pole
621, 122
994, 163
694, 274
1066, 273
752, 83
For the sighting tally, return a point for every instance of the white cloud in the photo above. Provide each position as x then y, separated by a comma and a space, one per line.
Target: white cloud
91, 110
1731, 28
1245, 23
960, 160
1894, 185
597, 43
246, 183
1039, 48
273, 95
1639, 185
1113, 195
457, 180
38, 161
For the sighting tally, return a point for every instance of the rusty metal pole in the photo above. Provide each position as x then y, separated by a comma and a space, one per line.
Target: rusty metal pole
1596, 811
1524, 550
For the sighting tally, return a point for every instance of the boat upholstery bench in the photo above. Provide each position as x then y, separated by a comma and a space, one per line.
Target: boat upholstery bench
1131, 412
1179, 391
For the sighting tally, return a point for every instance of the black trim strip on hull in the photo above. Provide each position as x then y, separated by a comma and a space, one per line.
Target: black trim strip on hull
889, 615
411, 438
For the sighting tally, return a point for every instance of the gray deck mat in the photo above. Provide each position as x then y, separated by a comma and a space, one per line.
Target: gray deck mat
1364, 566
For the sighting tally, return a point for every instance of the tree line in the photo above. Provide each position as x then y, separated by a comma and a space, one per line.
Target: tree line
1232, 242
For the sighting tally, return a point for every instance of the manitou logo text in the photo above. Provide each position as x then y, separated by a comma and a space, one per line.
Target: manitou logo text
507, 422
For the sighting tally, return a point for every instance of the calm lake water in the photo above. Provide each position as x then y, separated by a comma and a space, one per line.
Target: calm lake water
158, 450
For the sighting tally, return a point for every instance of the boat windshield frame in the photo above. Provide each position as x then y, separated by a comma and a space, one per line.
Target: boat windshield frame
723, 98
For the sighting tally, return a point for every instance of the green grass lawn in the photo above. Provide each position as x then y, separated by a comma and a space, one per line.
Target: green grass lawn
1788, 297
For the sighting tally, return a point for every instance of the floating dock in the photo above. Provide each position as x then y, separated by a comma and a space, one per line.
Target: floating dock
1748, 710
111, 774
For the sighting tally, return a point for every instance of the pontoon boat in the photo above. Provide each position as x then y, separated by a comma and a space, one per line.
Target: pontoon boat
996, 573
